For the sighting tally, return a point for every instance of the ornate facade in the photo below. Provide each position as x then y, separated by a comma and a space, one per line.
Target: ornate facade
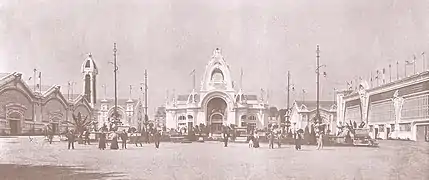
217, 102
27, 111
396, 110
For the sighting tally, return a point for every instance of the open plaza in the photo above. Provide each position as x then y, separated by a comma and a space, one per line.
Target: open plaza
21, 158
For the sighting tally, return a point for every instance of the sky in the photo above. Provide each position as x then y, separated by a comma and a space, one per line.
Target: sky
170, 38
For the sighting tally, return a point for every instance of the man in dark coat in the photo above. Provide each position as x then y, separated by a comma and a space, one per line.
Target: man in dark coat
225, 136
157, 138
70, 138
139, 139
124, 137
86, 135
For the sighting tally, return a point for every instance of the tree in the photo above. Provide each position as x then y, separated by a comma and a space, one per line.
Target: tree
79, 123
273, 112
282, 114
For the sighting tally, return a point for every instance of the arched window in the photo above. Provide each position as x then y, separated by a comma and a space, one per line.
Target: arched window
190, 117
182, 118
217, 75
243, 117
252, 118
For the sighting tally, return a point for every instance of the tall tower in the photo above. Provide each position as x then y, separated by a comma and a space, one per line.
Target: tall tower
90, 72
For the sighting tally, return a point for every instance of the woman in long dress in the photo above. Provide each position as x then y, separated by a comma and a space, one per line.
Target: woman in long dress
102, 141
114, 143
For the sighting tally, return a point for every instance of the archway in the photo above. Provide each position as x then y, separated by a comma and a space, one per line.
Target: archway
216, 113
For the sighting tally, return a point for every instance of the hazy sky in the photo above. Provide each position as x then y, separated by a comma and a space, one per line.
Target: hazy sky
172, 37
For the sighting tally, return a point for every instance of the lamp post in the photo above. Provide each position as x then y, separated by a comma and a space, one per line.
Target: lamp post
115, 66
318, 119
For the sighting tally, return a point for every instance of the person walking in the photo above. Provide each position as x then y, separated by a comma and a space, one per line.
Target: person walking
114, 143
102, 141
86, 135
157, 138
124, 137
298, 139
50, 135
70, 139
319, 140
279, 139
271, 140
139, 139
225, 136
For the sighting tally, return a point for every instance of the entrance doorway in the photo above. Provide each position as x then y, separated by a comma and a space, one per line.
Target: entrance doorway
14, 126
387, 133
376, 133
422, 133
216, 111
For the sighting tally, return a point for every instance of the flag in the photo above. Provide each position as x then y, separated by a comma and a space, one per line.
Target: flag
409, 62
192, 72
303, 91
241, 73
384, 70
40, 75
29, 78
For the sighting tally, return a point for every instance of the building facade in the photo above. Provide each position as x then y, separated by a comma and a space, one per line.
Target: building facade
395, 110
25, 110
129, 110
303, 113
217, 102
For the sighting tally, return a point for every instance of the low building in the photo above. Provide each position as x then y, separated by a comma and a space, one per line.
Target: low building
395, 110
25, 110
303, 113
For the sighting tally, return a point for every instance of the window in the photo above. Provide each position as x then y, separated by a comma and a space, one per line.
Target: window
416, 107
405, 127
381, 112
392, 127
380, 128
190, 117
371, 128
182, 118
353, 114
252, 118
243, 124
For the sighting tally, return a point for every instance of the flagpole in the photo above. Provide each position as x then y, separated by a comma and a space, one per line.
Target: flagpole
34, 79
390, 72
397, 70
423, 62
414, 64
40, 82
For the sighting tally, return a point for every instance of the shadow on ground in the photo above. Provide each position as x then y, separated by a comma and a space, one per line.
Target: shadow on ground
13, 171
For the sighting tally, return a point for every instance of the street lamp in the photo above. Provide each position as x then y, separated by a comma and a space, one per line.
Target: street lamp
318, 119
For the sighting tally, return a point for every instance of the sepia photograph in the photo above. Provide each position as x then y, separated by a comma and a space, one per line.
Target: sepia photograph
214, 90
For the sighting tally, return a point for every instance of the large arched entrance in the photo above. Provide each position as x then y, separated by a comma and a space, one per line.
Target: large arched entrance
216, 114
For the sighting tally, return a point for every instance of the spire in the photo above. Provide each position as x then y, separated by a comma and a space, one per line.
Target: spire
241, 78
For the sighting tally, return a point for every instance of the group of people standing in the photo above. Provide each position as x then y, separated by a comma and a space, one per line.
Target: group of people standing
123, 135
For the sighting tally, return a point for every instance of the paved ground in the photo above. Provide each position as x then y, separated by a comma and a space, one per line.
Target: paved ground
22, 159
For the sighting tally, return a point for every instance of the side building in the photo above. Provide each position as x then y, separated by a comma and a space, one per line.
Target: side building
396, 110
303, 113
25, 110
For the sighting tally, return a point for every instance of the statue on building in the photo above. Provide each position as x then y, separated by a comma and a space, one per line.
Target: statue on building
397, 104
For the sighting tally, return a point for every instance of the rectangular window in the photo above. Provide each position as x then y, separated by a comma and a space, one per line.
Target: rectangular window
371, 128
416, 107
381, 112
380, 128
353, 114
405, 127
392, 127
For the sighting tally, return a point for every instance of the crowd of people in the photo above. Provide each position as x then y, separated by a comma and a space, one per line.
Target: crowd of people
110, 136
